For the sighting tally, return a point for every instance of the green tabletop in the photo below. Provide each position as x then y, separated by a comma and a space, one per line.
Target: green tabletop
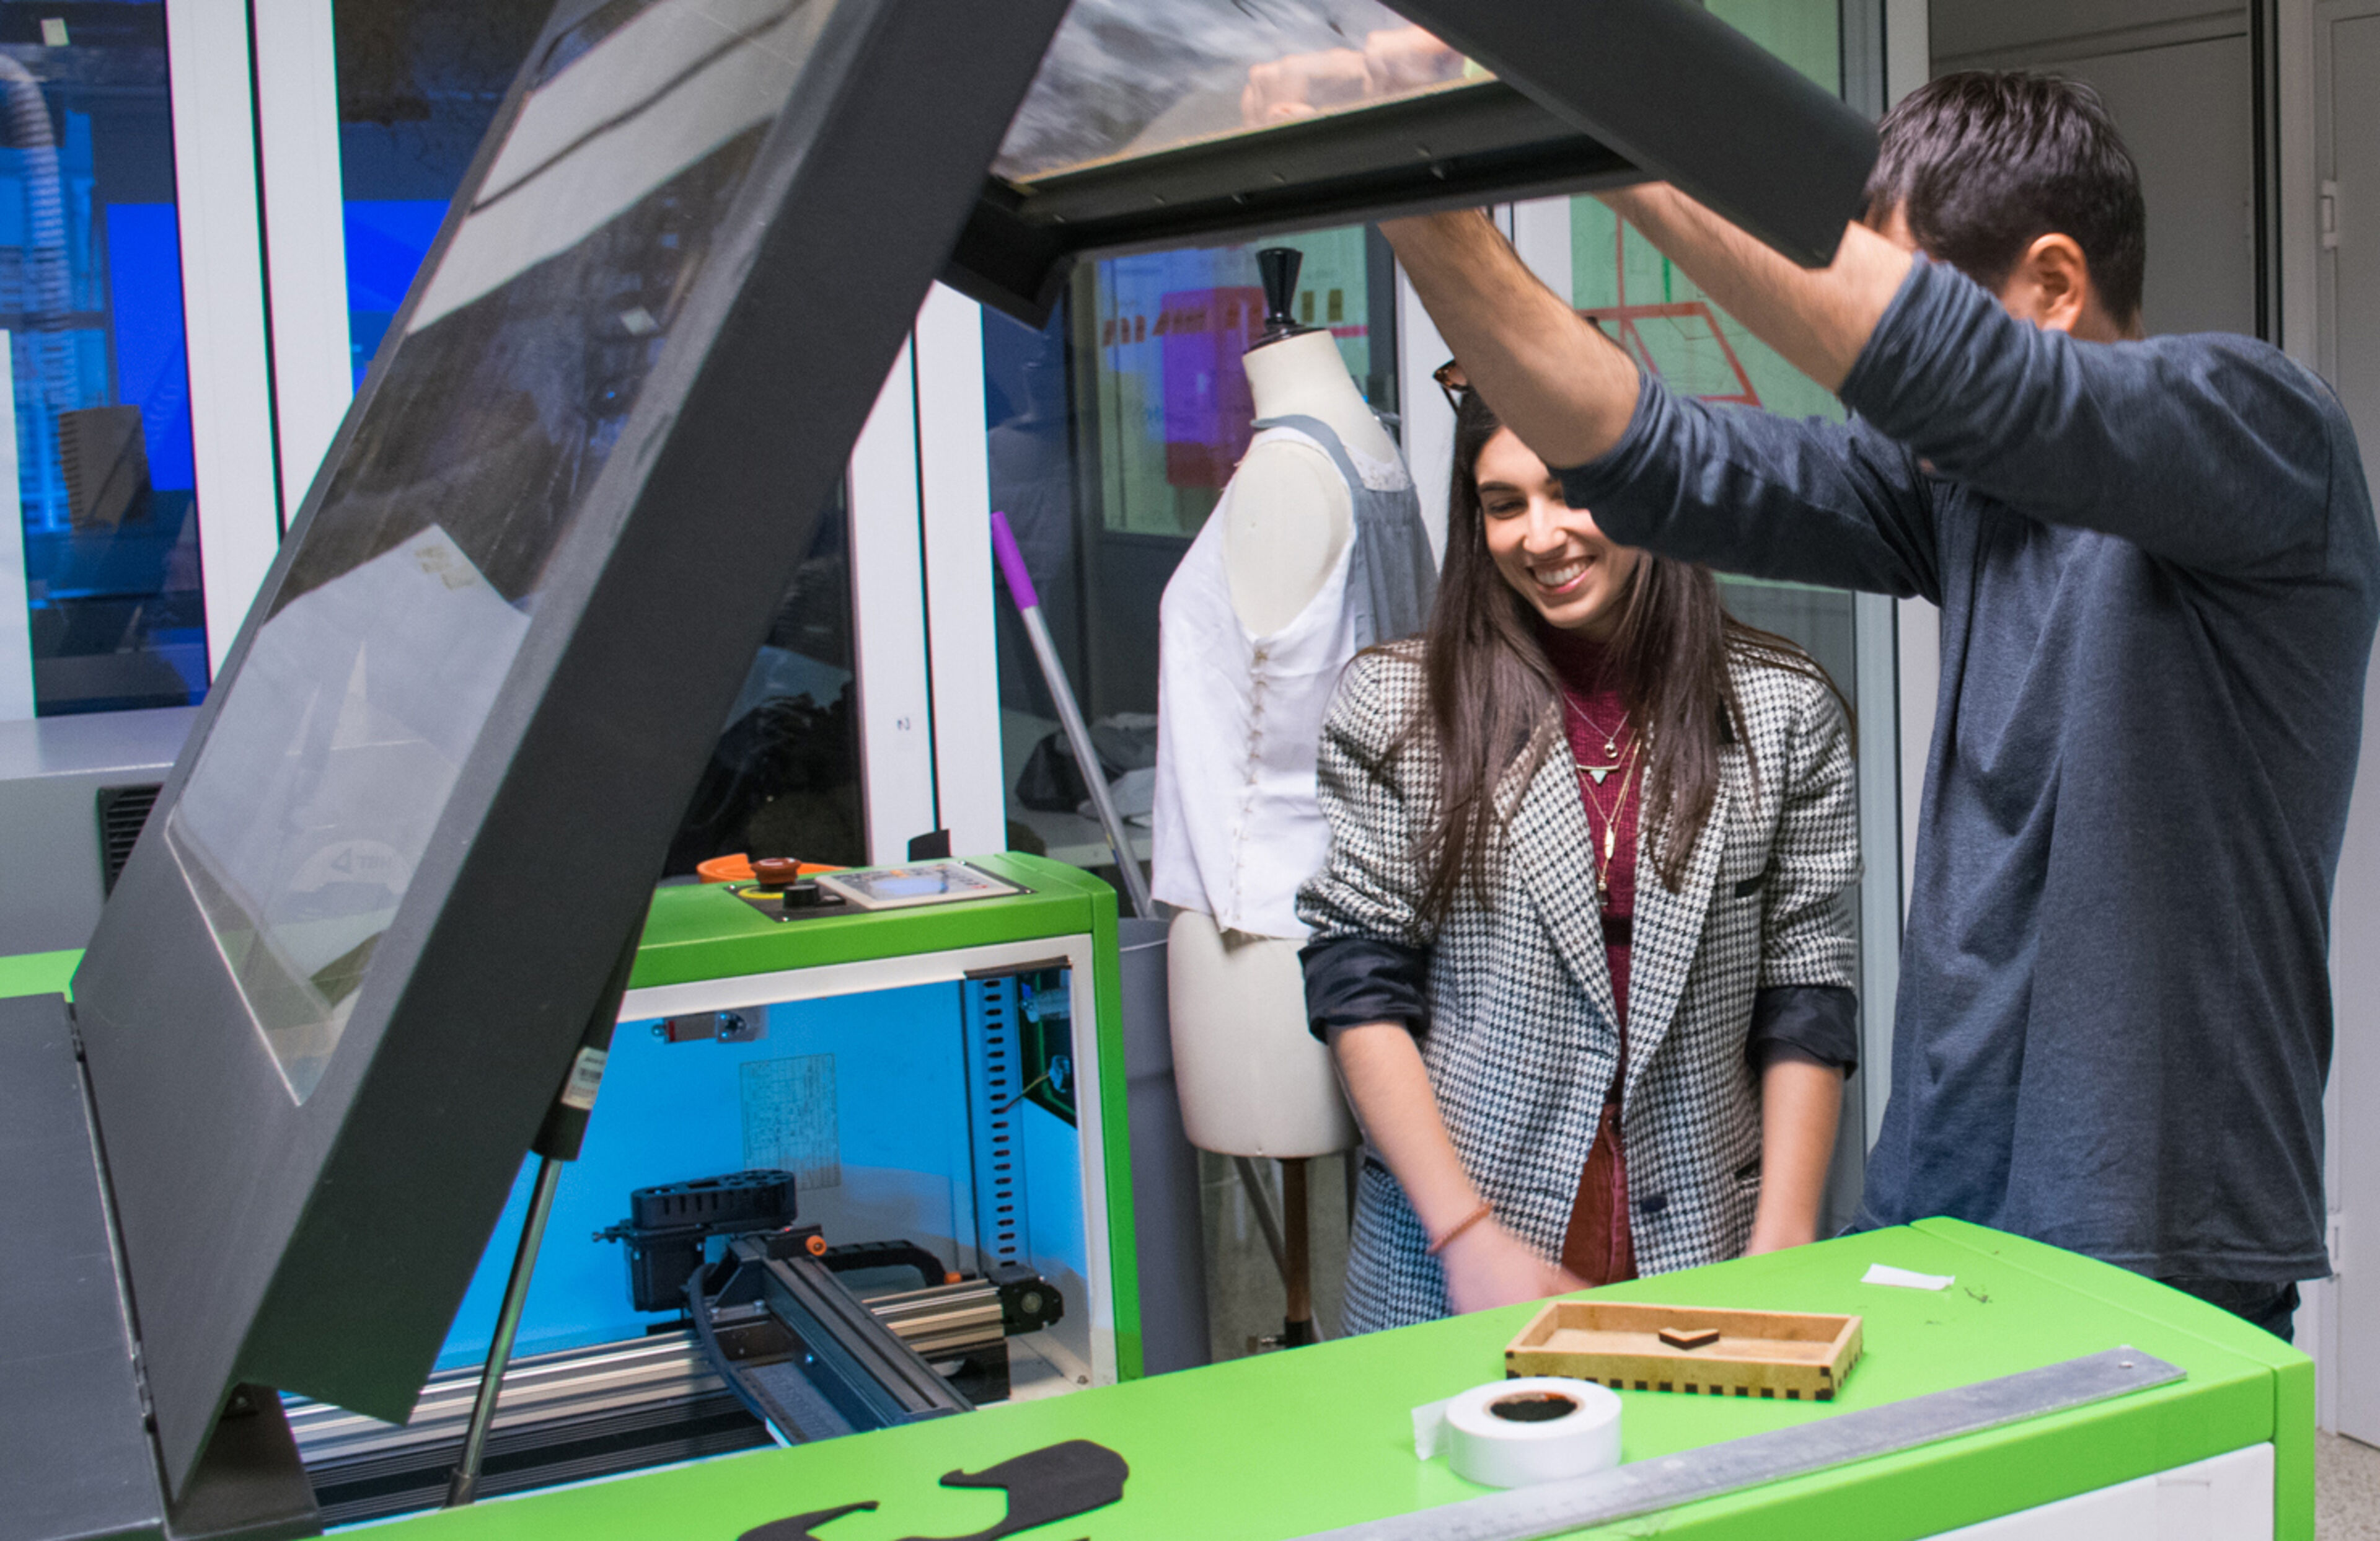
38, 973
1285, 1444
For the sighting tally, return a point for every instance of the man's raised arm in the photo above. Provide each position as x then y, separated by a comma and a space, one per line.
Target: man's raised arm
1564, 387
1818, 318
1568, 391
1740, 491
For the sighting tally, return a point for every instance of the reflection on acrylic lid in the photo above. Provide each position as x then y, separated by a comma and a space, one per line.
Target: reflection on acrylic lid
1131, 78
642, 105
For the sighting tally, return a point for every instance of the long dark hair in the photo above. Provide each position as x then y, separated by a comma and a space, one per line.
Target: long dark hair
1492, 691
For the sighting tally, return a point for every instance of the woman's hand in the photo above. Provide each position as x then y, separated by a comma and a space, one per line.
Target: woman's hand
1777, 1234
1487, 1265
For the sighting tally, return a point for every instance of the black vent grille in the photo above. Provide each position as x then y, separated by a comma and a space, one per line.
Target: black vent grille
122, 812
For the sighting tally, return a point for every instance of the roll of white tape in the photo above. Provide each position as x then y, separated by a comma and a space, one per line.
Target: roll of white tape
1512, 1433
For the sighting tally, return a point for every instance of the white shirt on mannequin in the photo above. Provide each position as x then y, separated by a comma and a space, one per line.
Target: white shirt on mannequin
1253, 1082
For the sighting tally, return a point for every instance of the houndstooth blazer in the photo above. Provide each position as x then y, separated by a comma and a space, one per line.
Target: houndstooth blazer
1521, 1043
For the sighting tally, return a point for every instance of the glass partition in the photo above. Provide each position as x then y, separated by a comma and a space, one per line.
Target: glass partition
1641, 301
418, 84
1639, 298
104, 520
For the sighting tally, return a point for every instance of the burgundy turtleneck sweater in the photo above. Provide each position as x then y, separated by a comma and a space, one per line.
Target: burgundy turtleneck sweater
1597, 1246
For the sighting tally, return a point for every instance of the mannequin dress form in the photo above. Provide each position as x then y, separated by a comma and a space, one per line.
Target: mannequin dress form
1252, 1079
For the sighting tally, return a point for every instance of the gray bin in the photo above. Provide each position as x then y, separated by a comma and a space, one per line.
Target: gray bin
1164, 1167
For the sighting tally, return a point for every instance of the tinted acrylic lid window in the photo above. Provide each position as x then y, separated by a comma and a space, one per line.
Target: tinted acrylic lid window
1132, 78
417, 580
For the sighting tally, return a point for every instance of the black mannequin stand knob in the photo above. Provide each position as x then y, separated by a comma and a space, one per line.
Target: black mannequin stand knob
1278, 265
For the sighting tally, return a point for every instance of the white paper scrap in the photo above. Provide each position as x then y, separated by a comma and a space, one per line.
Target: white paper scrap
1884, 1273
1429, 1427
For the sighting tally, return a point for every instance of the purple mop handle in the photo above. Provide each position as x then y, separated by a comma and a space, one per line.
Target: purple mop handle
1070, 714
1012, 563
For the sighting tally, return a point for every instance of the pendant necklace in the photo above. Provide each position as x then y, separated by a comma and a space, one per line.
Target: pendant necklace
1611, 745
1627, 766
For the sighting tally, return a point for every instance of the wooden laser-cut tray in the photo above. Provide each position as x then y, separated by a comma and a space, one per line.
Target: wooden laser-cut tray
1797, 1355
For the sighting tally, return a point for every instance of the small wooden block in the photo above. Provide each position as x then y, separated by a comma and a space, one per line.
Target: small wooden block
1689, 1337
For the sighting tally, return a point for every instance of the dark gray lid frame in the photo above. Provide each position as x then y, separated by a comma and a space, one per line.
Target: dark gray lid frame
323, 1246
1585, 96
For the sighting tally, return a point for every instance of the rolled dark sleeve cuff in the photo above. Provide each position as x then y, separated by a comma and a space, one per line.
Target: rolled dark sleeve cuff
1811, 1024
1601, 484
1354, 980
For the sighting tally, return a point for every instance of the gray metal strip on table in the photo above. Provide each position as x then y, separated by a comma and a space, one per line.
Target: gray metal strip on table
1664, 1482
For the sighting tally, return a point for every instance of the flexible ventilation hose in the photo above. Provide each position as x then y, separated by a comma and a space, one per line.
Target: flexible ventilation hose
47, 297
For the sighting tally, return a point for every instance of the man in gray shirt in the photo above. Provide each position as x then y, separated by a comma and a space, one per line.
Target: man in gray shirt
2159, 579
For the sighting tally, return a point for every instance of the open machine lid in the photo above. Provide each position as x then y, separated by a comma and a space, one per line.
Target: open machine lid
346, 968
345, 971
1161, 122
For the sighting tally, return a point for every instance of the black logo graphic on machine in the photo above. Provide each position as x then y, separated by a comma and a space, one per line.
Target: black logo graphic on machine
797, 1527
1056, 1482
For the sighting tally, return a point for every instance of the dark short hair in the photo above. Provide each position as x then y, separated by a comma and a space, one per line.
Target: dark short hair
1985, 162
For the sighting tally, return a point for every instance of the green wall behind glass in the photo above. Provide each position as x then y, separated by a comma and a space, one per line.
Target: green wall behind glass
1696, 347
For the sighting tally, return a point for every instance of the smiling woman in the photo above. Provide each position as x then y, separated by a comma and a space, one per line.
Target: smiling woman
1552, 554
1583, 764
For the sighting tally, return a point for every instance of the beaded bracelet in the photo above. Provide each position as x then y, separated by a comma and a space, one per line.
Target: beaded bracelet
1466, 1223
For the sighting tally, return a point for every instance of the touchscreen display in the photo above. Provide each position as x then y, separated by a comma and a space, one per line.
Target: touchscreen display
890, 888
339, 741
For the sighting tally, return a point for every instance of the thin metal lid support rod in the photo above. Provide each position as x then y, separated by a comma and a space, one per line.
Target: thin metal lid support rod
463, 1485
557, 1144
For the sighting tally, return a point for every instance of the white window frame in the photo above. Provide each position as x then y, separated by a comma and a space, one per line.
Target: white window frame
1426, 423
1914, 628
17, 612
894, 688
304, 216
215, 197
954, 485
923, 596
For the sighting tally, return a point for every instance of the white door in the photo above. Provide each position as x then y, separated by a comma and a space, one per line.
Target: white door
2347, 74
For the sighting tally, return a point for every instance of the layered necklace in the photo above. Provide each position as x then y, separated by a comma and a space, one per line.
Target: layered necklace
1615, 760
1610, 744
